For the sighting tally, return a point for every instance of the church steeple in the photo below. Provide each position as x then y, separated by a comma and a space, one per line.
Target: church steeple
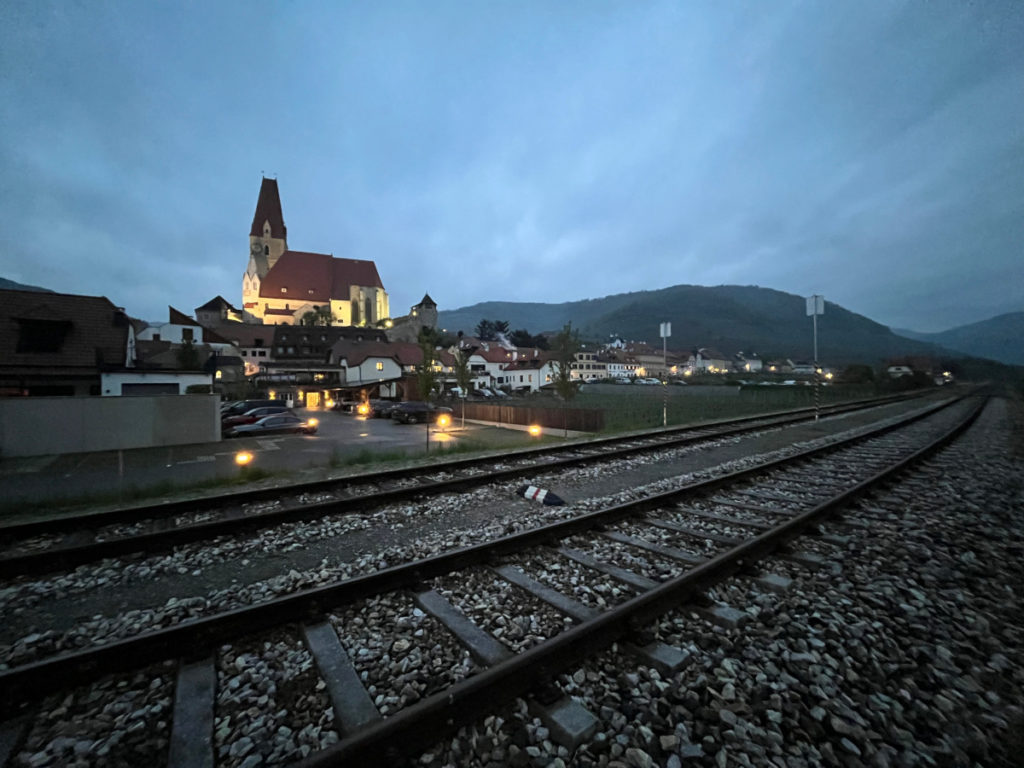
268, 236
268, 210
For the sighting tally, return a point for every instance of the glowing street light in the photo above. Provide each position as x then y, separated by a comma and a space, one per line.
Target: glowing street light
243, 458
535, 430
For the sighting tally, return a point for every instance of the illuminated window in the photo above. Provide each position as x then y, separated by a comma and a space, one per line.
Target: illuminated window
380, 366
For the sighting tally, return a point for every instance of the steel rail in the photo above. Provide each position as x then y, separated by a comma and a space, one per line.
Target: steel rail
422, 724
29, 682
170, 508
64, 556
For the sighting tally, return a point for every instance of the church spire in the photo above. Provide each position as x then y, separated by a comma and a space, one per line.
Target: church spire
268, 209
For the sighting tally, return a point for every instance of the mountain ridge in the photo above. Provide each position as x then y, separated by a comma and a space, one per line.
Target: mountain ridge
998, 338
731, 318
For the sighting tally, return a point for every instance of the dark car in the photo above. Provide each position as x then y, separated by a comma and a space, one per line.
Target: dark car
381, 409
252, 416
414, 410
276, 424
243, 406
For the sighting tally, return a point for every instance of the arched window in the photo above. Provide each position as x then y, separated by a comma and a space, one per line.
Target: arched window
266, 250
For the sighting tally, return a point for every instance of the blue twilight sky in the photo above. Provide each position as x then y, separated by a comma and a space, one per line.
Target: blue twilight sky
523, 151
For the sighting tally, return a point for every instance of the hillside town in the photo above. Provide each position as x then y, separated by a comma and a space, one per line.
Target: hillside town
315, 328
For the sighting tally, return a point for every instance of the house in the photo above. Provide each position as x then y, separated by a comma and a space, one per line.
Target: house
216, 311
281, 285
527, 374
182, 329
60, 343
386, 369
618, 363
587, 366
747, 362
255, 343
301, 364
708, 360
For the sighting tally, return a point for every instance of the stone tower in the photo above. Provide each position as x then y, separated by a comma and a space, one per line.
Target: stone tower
268, 239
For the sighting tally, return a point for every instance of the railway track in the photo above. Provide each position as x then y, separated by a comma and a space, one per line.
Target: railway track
50, 545
362, 655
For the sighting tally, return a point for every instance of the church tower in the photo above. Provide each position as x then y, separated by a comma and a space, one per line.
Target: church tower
268, 239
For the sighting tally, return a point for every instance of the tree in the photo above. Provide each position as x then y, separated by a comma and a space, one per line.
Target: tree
317, 316
426, 376
566, 345
488, 330
522, 338
485, 330
462, 377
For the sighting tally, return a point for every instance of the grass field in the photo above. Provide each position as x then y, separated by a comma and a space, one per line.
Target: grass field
640, 409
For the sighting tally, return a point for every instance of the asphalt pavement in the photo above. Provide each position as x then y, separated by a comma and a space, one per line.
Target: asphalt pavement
110, 476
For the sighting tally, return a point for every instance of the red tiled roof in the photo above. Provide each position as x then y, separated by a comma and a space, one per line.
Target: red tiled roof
317, 277
268, 208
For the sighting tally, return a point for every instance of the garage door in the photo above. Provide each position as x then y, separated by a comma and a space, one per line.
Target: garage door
140, 390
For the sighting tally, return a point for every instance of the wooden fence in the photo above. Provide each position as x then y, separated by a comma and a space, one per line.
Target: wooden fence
576, 419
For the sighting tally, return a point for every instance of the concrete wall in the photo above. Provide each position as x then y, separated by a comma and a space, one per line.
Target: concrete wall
38, 426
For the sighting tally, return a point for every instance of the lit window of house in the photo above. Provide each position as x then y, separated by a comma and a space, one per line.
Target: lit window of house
380, 366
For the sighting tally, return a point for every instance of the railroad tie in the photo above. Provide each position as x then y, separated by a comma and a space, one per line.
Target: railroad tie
353, 707
12, 735
666, 659
569, 722
192, 730
633, 580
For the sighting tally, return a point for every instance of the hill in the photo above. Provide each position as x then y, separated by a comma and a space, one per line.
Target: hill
10, 285
998, 338
727, 317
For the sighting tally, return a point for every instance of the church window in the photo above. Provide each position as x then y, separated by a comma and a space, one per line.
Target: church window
310, 291
266, 250
284, 289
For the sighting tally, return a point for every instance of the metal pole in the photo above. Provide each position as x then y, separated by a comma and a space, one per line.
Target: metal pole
817, 377
664, 403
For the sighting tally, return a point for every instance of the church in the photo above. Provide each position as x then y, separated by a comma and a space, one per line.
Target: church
280, 285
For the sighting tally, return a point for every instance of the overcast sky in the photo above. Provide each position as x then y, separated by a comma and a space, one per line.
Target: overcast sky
872, 152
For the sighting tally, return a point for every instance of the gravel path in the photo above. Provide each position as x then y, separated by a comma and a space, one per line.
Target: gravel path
909, 655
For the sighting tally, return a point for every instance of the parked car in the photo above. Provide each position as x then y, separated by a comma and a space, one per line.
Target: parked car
252, 416
481, 393
417, 411
276, 424
381, 409
239, 407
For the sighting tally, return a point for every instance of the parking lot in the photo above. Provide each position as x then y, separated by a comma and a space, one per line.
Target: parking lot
340, 437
